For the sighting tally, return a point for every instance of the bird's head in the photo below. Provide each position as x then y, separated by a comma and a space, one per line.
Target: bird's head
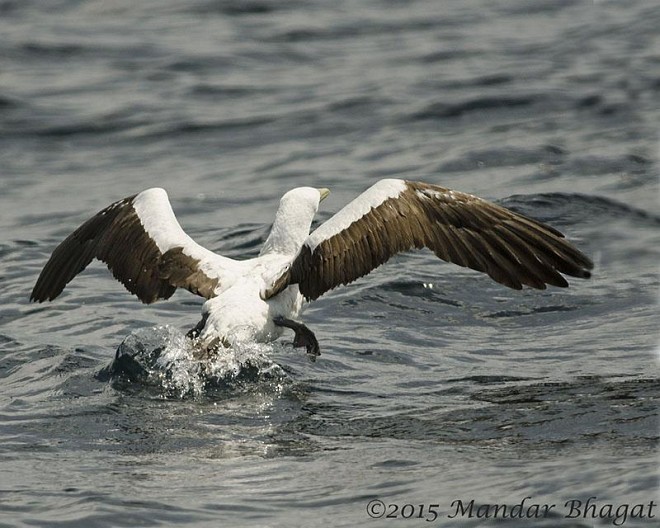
304, 198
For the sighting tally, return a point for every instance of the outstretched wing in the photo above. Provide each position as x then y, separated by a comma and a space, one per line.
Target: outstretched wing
141, 241
397, 215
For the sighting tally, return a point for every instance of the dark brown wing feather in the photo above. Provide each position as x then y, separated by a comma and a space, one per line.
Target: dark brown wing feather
116, 236
511, 248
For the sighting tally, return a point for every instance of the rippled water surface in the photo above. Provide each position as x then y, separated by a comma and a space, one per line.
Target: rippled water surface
434, 384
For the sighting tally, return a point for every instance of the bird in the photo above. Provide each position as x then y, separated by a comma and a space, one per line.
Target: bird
145, 248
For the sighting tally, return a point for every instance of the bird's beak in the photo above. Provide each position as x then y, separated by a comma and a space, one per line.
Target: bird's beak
324, 193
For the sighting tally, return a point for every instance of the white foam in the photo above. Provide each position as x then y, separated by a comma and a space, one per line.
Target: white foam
186, 374
176, 368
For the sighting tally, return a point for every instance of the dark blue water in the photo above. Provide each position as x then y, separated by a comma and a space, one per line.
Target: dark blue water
434, 384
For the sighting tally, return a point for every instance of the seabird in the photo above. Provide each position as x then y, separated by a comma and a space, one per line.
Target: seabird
142, 243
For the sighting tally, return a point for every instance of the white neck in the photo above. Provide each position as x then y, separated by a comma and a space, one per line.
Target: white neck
292, 222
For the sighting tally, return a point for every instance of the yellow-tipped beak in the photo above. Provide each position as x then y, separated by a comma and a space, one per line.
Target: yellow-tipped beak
324, 193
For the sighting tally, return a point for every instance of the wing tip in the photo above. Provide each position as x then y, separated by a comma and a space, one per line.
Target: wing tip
39, 295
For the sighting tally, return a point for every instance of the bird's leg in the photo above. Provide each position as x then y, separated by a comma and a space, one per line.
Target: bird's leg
195, 331
304, 336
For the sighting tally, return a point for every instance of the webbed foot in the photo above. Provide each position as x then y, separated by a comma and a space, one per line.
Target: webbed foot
194, 332
303, 336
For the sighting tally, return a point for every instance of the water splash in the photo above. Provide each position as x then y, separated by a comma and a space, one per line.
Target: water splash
164, 359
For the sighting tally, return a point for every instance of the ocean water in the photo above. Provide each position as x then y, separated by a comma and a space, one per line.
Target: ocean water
435, 385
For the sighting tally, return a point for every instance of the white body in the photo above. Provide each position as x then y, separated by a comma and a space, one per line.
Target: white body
239, 314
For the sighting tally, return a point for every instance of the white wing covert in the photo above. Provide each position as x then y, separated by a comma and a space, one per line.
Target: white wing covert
145, 248
397, 215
